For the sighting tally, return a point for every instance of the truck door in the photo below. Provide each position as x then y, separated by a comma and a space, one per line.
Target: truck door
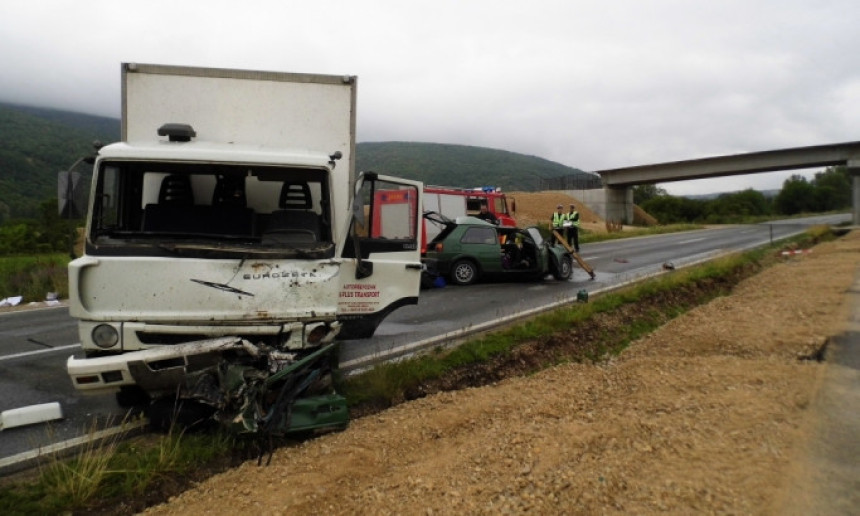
381, 266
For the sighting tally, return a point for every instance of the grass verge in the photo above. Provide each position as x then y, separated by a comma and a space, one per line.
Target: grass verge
119, 474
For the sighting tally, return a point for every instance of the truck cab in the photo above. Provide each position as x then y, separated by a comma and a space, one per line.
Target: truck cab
190, 241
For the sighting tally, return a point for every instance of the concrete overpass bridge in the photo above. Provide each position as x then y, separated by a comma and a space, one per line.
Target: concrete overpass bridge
615, 201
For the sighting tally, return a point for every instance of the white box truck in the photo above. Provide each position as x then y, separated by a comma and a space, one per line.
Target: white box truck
228, 245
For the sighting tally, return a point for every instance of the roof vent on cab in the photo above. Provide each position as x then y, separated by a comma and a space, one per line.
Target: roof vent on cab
177, 132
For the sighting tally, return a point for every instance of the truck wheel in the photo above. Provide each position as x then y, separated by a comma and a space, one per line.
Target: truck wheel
130, 396
564, 268
166, 413
464, 272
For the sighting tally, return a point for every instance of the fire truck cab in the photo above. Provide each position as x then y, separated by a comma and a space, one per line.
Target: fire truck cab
440, 198
449, 201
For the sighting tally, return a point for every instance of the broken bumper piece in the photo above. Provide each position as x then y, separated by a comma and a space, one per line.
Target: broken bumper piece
154, 370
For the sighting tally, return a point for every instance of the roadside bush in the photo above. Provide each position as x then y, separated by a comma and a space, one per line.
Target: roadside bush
34, 276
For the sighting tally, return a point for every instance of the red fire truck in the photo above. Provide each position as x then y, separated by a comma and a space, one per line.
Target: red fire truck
450, 202
492, 196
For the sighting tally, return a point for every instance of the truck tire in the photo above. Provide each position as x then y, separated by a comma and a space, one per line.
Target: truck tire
563, 269
130, 396
166, 414
464, 272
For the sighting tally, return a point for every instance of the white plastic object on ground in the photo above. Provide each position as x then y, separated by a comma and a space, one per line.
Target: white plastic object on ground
30, 415
11, 301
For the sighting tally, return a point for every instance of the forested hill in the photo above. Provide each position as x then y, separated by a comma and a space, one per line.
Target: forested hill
459, 165
37, 143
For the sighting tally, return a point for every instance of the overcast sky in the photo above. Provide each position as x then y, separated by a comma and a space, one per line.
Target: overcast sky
592, 85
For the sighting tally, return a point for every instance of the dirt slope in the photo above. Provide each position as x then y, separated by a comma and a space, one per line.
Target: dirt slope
534, 207
703, 415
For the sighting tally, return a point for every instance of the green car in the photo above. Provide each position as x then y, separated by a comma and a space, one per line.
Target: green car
468, 249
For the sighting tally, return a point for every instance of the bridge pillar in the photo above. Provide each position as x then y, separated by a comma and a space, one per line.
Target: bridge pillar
854, 171
619, 204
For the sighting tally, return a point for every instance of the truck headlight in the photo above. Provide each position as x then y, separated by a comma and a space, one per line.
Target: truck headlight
321, 333
315, 334
105, 336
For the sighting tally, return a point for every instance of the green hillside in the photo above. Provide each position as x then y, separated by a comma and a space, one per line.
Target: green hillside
460, 165
38, 143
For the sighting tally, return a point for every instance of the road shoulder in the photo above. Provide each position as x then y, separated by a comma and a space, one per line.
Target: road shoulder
825, 475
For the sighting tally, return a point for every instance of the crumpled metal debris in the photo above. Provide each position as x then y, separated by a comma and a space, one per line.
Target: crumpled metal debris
259, 391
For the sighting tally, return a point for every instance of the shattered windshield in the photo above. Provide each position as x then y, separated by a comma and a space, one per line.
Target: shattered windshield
193, 208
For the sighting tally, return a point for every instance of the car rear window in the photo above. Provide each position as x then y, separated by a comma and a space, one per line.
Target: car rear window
479, 236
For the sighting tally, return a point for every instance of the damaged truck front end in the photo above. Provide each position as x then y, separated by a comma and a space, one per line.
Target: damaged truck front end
222, 286
251, 389
230, 245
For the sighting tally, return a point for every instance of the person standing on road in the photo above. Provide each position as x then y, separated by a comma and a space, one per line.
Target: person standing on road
558, 219
573, 228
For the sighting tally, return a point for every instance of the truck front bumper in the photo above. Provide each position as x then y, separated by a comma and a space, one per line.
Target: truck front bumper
159, 369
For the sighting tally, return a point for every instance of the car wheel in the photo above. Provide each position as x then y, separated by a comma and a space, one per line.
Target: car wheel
564, 268
464, 272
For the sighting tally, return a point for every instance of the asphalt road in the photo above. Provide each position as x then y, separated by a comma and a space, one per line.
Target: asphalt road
34, 344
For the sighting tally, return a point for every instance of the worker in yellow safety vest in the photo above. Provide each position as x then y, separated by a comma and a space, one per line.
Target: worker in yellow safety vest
573, 228
558, 219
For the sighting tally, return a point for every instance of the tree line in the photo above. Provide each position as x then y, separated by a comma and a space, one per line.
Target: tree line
829, 190
46, 233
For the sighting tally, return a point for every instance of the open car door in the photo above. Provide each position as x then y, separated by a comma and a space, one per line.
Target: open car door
381, 259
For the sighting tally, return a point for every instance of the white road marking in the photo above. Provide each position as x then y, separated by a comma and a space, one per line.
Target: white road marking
691, 240
32, 309
39, 352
